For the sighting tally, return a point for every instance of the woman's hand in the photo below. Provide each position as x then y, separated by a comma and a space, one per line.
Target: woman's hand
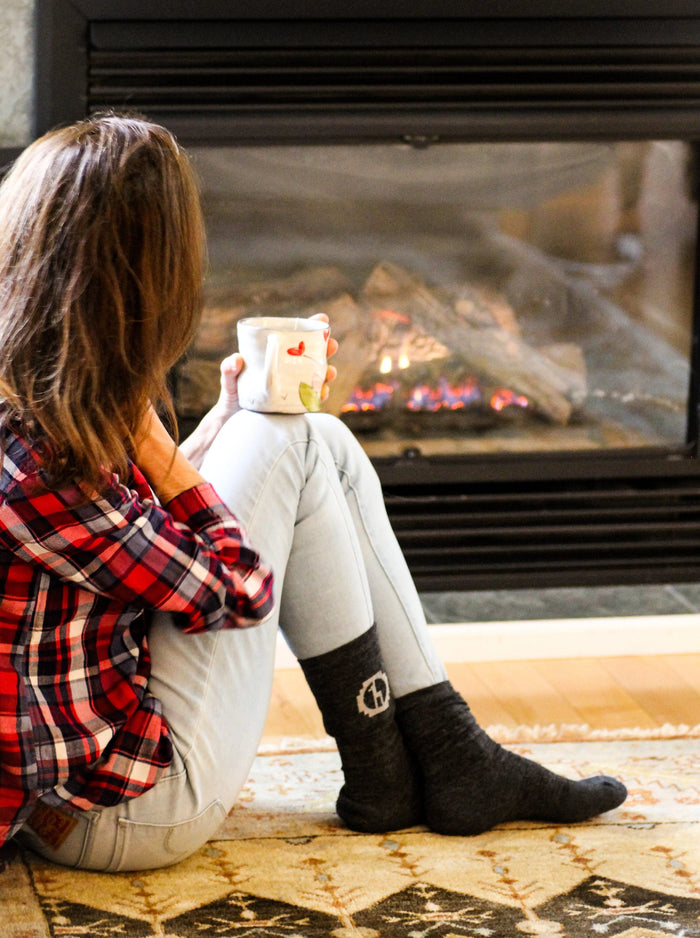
331, 371
227, 403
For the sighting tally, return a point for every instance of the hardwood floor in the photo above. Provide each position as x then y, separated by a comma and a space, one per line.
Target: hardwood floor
605, 693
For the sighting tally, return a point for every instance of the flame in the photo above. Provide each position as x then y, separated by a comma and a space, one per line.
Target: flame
445, 396
373, 398
424, 397
503, 398
391, 315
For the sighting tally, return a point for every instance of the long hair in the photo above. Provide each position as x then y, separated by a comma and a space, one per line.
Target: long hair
101, 264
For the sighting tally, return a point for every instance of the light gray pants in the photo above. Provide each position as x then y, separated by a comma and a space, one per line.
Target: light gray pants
311, 503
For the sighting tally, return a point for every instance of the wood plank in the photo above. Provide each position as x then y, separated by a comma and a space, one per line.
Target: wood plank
529, 698
293, 710
686, 667
488, 710
660, 690
600, 702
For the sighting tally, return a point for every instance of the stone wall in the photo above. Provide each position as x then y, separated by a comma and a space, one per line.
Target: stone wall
16, 71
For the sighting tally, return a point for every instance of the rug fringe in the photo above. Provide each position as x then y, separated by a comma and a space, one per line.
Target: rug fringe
551, 733
572, 732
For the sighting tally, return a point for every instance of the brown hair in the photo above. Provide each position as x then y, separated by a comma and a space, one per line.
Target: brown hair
101, 263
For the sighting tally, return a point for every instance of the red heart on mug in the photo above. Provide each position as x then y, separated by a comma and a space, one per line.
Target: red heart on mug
299, 350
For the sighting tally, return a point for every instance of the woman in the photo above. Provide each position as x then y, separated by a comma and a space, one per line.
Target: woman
138, 625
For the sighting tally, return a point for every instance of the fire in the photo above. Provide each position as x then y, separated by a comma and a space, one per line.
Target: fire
444, 396
503, 398
423, 397
386, 366
373, 398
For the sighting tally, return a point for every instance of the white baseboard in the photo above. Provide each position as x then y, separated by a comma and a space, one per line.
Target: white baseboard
556, 638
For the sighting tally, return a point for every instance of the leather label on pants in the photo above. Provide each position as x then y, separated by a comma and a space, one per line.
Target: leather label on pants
51, 824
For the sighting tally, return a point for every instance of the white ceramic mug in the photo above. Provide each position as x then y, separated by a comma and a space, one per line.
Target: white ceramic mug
285, 363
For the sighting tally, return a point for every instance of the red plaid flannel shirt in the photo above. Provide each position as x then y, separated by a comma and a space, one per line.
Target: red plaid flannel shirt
77, 580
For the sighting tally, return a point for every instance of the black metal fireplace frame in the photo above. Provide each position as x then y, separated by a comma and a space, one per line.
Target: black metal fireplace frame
234, 73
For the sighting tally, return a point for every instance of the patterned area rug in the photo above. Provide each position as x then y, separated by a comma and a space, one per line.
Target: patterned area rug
282, 867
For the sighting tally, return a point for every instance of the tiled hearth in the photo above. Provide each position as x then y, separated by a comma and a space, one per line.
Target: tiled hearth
550, 604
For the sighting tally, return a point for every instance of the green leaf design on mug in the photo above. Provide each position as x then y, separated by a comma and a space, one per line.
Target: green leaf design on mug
309, 398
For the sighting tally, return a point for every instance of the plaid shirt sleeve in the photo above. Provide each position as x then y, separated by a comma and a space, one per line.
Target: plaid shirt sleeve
192, 559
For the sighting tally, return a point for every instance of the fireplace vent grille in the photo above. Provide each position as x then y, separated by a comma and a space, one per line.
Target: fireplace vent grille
269, 80
549, 533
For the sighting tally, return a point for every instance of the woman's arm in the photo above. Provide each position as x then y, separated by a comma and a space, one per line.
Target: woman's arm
196, 445
167, 468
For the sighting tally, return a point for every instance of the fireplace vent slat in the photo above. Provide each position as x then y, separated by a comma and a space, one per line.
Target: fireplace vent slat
239, 78
562, 533
445, 524
590, 554
489, 571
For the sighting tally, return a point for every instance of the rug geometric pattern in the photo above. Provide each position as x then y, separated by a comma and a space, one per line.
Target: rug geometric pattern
282, 866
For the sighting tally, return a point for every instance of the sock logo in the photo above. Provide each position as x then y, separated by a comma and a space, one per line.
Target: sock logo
374, 695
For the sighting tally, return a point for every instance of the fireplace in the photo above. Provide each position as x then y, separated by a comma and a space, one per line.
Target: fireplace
498, 211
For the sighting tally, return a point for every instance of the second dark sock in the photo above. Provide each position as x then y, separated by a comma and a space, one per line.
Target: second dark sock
472, 784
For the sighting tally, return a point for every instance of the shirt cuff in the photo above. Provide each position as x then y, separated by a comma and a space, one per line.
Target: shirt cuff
198, 506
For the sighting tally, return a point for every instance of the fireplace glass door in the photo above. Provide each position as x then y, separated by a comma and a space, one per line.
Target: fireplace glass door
488, 298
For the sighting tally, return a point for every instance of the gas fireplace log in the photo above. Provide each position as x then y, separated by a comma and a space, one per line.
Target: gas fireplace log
216, 335
569, 357
284, 296
395, 314
197, 382
198, 376
496, 355
304, 286
483, 310
349, 326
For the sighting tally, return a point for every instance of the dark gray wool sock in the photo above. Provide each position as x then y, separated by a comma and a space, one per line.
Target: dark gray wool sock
381, 791
472, 784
